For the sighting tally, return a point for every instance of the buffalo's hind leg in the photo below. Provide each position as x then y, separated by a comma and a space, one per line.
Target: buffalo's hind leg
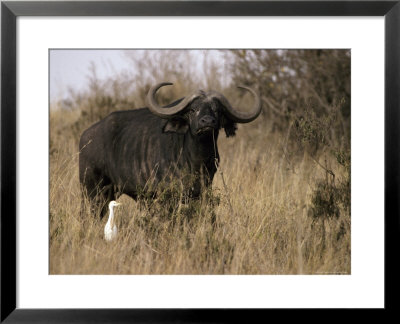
104, 197
99, 193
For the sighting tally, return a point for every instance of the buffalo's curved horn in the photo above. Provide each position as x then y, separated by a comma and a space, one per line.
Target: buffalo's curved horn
236, 115
170, 111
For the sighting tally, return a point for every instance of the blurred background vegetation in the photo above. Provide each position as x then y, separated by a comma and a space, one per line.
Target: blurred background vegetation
297, 153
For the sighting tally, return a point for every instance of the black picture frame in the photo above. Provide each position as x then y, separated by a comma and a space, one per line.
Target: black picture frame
11, 10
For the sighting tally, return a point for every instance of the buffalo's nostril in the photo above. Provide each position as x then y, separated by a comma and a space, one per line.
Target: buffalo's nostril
207, 121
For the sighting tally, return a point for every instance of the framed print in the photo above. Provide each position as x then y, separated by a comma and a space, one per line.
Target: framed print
121, 203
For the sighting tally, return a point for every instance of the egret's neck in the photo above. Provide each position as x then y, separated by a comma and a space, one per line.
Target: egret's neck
111, 217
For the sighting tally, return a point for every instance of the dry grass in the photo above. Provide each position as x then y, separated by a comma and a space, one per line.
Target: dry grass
262, 223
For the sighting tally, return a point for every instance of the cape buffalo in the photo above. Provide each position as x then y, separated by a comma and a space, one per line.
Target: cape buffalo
133, 151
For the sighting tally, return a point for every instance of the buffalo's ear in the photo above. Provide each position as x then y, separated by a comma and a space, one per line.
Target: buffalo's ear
229, 126
176, 125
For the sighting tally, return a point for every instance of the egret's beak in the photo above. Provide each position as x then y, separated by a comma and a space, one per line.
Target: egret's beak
117, 204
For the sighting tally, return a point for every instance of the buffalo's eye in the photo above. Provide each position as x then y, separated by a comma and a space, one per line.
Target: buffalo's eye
190, 113
193, 111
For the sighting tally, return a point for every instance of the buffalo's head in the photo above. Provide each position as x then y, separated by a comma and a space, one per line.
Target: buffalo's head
202, 112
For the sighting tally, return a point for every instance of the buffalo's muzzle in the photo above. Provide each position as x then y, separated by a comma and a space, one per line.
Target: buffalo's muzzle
207, 121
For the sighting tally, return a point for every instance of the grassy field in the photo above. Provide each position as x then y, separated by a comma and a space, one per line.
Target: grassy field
263, 202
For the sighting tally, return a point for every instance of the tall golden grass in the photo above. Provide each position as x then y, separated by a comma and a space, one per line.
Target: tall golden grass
261, 224
258, 220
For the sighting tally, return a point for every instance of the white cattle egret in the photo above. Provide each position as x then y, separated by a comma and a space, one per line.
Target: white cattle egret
110, 230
